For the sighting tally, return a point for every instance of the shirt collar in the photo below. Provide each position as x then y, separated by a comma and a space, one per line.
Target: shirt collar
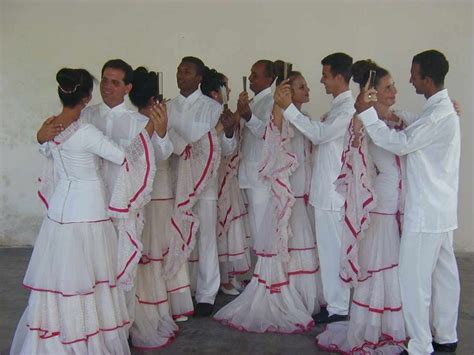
262, 94
191, 98
341, 97
436, 98
104, 109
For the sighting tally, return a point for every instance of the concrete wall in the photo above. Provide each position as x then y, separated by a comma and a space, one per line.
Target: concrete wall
38, 38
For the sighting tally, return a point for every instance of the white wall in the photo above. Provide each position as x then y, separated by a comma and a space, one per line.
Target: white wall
38, 38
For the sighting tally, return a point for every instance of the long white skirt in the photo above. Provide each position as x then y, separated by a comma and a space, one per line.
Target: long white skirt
376, 323
74, 305
158, 301
281, 297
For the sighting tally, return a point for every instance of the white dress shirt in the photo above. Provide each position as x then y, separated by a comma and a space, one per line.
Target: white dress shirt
122, 125
252, 139
329, 136
432, 144
191, 118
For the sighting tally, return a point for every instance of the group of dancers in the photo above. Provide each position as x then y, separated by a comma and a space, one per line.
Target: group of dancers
151, 207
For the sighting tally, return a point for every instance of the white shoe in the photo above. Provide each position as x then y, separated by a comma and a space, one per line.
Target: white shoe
181, 319
230, 292
237, 284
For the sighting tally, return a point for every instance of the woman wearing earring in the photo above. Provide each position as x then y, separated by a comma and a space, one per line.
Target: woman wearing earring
75, 305
371, 181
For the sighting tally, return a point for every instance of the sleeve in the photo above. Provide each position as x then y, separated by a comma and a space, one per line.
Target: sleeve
178, 142
402, 142
96, 142
228, 145
256, 126
163, 146
318, 132
45, 150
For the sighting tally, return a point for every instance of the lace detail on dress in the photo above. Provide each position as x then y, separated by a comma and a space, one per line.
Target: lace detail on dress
195, 169
132, 191
275, 168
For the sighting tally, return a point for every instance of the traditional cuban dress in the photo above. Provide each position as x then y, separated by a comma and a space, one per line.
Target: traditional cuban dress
371, 181
79, 267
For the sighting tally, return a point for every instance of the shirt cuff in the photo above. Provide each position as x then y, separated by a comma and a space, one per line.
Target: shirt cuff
161, 141
253, 122
228, 139
368, 116
291, 112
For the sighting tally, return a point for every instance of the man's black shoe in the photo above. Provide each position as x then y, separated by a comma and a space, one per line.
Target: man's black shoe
204, 309
445, 348
324, 317
404, 352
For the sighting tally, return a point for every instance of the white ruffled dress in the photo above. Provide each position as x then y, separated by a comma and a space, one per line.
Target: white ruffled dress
285, 289
371, 181
232, 224
76, 272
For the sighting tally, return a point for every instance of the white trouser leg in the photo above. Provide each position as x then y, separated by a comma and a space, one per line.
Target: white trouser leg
421, 272
208, 277
445, 294
328, 236
257, 199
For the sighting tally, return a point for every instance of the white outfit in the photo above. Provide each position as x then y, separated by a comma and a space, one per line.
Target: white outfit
74, 305
122, 125
329, 136
285, 288
428, 272
252, 144
371, 180
192, 117
233, 231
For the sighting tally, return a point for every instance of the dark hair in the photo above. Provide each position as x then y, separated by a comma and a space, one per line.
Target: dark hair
145, 86
268, 67
279, 71
198, 64
360, 71
121, 65
340, 63
74, 85
433, 64
212, 80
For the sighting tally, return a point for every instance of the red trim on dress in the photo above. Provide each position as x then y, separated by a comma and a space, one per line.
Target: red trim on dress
70, 294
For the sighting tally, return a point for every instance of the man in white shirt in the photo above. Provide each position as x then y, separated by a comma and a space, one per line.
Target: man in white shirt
192, 114
428, 272
255, 114
118, 122
328, 134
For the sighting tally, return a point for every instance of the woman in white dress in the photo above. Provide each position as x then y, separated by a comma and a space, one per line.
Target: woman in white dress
232, 225
75, 306
371, 181
158, 301
285, 289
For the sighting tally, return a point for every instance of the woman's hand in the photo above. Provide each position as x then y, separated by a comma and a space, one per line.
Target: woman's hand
277, 116
357, 130
159, 116
283, 94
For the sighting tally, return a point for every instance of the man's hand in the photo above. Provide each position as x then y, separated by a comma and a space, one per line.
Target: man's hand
228, 122
457, 107
366, 98
243, 107
48, 130
283, 94
159, 116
